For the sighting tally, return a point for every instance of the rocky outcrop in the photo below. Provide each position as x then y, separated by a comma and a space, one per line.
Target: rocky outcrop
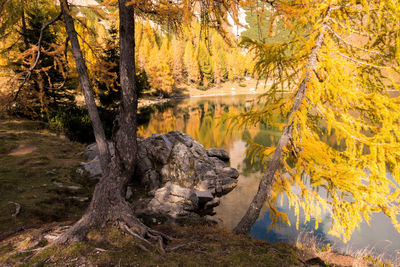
177, 158
178, 173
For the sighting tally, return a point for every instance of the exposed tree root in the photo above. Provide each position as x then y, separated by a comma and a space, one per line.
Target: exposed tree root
129, 231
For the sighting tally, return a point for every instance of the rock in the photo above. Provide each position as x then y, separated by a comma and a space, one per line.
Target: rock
58, 184
203, 196
81, 199
174, 200
92, 151
79, 171
182, 177
218, 153
73, 187
213, 203
228, 171
92, 167
129, 193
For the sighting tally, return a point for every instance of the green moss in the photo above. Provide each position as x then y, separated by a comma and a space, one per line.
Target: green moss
43, 256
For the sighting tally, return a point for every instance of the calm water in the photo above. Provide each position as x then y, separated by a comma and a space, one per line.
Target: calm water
200, 118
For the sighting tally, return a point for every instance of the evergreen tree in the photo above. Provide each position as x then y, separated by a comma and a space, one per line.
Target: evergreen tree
160, 76
178, 68
47, 89
107, 84
219, 52
205, 64
191, 65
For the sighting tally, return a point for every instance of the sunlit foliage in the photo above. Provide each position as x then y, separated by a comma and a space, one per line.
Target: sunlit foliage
344, 149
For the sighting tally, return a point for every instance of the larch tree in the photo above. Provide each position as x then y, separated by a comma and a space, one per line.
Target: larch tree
160, 76
336, 75
33, 56
108, 203
177, 60
191, 65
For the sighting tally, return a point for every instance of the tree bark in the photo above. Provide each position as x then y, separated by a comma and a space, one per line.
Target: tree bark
125, 126
24, 31
108, 203
104, 153
268, 178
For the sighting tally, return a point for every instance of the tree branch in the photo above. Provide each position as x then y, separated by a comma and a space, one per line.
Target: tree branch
66, 68
350, 44
39, 45
364, 63
351, 30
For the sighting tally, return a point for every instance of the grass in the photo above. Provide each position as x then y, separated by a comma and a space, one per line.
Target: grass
33, 178
30, 179
204, 246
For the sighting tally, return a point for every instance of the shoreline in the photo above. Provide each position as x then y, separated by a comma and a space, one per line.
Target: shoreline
150, 102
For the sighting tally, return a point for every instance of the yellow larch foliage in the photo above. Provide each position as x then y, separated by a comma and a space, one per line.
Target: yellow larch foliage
344, 149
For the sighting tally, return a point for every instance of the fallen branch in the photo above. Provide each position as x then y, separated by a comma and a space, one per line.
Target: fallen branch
39, 45
181, 245
17, 208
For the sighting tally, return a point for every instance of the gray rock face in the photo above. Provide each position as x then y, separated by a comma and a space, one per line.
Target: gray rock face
218, 153
93, 166
178, 158
92, 151
179, 173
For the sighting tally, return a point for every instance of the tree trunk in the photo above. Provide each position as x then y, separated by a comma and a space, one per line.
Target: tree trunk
24, 31
108, 202
268, 179
125, 126
104, 153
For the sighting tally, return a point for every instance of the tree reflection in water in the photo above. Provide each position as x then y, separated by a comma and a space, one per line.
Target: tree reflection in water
201, 118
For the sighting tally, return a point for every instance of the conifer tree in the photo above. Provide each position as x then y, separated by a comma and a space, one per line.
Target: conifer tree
45, 91
159, 73
178, 67
191, 65
219, 52
338, 70
205, 64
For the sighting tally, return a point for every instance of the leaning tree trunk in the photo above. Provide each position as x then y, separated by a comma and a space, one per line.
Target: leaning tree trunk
268, 178
108, 203
86, 85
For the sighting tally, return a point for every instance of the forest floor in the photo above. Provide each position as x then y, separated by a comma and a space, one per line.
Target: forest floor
42, 194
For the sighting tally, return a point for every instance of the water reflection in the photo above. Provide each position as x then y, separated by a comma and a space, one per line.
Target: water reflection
201, 118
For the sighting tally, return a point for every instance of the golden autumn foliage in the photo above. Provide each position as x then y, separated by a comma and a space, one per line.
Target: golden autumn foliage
191, 56
157, 23
343, 155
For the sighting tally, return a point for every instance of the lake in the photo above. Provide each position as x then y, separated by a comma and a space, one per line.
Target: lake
200, 118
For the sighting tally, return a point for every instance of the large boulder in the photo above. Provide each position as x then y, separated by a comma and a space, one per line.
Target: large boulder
180, 175
178, 158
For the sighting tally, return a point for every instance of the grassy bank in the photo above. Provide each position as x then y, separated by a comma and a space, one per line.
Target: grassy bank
41, 194
38, 177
